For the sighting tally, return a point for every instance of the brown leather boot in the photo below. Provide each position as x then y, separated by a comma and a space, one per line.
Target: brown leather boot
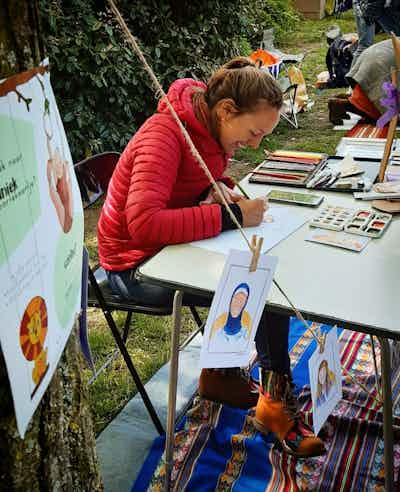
276, 412
229, 386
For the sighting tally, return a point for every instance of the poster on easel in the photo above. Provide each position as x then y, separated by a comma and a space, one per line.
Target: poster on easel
235, 312
41, 237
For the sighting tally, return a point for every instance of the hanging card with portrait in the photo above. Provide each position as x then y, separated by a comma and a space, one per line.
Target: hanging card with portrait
41, 237
325, 373
236, 310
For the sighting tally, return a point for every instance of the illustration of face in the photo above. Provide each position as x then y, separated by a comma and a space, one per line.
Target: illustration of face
34, 327
322, 372
238, 302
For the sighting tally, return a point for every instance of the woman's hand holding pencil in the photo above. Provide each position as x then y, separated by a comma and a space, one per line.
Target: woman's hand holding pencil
252, 209
230, 195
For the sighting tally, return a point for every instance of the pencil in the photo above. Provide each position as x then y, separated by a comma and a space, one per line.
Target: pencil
242, 191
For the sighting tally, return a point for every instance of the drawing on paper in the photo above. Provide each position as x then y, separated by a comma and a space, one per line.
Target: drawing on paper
32, 336
231, 330
326, 380
236, 309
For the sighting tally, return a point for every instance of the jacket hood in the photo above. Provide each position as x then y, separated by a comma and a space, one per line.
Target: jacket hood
180, 96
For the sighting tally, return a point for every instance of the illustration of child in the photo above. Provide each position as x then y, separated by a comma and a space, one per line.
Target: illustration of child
326, 379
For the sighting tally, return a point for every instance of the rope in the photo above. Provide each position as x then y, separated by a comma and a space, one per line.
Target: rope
160, 93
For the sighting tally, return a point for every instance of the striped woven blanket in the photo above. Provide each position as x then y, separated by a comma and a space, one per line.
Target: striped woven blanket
218, 449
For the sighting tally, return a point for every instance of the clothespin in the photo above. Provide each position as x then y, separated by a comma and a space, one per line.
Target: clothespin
321, 342
256, 245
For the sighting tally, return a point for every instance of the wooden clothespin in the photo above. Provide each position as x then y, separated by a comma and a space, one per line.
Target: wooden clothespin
256, 245
321, 342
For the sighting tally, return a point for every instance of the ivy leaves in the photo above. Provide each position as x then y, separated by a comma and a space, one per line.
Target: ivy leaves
103, 93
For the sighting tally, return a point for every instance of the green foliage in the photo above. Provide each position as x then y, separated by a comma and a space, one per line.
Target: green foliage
103, 93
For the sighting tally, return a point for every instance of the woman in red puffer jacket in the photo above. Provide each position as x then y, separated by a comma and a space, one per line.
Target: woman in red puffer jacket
159, 195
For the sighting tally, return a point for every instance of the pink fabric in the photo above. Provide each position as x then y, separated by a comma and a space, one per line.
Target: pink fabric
153, 193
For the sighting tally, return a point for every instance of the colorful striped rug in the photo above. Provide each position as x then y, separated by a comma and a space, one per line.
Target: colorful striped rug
218, 449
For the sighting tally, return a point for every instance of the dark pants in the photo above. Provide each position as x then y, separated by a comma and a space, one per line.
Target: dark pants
272, 333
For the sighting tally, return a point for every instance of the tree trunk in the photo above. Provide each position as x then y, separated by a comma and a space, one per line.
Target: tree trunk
58, 452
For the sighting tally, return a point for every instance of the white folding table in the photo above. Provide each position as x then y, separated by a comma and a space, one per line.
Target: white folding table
357, 291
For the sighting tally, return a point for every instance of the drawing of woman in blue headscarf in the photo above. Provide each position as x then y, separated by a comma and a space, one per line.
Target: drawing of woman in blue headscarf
231, 330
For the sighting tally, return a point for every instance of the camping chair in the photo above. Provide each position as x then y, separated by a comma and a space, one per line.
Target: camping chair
271, 62
93, 175
289, 94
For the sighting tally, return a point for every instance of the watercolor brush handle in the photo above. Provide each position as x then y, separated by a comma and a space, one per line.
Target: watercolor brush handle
283, 176
239, 187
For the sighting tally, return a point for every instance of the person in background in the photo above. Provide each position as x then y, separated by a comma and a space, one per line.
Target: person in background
159, 195
366, 78
368, 12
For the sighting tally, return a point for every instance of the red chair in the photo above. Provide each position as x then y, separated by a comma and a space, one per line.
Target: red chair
93, 175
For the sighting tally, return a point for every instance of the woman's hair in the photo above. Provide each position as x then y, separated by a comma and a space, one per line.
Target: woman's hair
246, 84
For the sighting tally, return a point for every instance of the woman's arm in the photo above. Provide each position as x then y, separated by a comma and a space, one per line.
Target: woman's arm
154, 174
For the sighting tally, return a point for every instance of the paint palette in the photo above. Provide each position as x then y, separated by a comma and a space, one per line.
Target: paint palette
361, 222
333, 218
368, 223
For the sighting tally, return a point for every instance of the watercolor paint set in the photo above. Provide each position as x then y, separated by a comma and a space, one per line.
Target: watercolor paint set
361, 222
368, 223
316, 171
333, 218
292, 168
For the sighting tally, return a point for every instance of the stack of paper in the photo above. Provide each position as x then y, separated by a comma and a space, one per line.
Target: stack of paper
363, 147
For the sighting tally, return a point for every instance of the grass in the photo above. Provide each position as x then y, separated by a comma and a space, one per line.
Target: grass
148, 343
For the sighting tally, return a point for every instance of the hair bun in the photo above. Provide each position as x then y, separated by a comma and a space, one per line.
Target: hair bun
239, 62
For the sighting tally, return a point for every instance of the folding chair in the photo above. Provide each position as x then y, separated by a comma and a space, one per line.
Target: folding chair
289, 94
93, 175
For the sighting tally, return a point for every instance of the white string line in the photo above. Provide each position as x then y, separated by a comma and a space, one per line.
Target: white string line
160, 92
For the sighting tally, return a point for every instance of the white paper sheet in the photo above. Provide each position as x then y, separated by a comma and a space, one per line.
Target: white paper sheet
279, 223
325, 379
236, 310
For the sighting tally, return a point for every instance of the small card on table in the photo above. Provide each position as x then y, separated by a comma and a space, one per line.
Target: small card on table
339, 239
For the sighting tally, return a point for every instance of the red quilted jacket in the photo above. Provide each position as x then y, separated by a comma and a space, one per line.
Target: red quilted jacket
152, 196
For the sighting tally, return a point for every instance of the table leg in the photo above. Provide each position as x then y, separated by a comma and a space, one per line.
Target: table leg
387, 413
173, 383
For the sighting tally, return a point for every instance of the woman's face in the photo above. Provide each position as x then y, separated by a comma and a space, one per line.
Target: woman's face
238, 302
322, 374
237, 130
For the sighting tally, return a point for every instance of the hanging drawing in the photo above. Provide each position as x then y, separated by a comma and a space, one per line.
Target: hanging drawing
236, 310
325, 379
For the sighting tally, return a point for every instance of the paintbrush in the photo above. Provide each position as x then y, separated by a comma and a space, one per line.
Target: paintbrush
242, 191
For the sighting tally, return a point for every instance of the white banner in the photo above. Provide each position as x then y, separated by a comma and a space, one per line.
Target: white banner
41, 237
